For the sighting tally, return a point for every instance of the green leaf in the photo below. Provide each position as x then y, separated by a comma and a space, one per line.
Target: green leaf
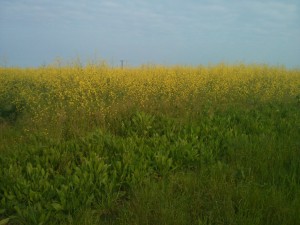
76, 179
57, 206
4, 221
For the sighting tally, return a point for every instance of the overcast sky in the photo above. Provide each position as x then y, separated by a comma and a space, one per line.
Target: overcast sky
189, 32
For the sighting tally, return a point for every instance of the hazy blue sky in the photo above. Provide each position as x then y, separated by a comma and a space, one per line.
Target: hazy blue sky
192, 32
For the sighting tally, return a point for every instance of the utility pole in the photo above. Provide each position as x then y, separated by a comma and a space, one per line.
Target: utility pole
122, 63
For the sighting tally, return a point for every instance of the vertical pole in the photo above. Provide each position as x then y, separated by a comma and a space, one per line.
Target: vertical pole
122, 64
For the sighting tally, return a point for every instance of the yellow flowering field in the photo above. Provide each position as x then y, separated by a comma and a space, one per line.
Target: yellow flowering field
96, 94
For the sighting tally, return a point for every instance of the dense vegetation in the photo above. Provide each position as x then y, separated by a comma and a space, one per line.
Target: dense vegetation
150, 145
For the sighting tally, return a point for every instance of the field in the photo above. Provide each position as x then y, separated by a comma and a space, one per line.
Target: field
210, 145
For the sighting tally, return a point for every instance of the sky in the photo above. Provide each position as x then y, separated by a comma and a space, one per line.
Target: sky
186, 32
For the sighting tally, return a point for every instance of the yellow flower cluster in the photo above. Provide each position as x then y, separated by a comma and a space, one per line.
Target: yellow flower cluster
95, 94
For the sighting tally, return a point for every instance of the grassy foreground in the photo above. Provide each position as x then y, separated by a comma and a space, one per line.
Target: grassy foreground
150, 145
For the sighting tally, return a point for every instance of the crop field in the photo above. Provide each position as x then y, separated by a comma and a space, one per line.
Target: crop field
153, 145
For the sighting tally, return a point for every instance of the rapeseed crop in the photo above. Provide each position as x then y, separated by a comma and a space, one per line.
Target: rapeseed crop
53, 97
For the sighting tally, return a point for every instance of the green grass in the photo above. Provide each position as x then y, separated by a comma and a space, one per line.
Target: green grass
231, 165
